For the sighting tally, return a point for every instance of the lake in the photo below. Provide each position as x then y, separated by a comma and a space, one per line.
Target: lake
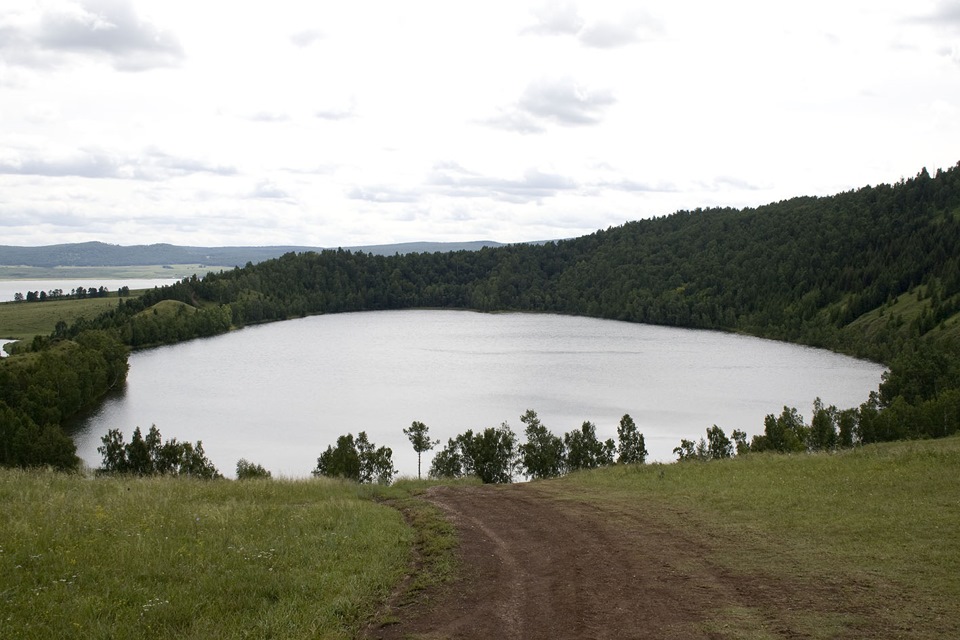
279, 394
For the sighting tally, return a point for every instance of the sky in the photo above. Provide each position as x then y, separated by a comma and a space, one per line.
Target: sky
329, 124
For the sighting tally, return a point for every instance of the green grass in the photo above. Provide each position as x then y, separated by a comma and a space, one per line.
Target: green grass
174, 558
877, 528
879, 524
23, 320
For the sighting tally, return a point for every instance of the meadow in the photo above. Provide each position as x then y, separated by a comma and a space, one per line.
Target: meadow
162, 557
119, 557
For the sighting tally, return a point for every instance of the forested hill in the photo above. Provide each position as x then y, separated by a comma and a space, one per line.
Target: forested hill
99, 254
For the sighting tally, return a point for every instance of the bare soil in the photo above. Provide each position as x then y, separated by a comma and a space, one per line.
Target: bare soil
536, 565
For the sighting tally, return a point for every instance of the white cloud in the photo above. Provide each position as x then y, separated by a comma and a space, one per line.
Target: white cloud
556, 18
109, 29
151, 164
560, 101
610, 34
306, 37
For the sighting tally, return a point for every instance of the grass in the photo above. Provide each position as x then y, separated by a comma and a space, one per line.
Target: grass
23, 320
877, 528
879, 525
163, 558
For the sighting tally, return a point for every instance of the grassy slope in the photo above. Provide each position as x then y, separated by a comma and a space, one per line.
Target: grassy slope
165, 558
880, 525
23, 320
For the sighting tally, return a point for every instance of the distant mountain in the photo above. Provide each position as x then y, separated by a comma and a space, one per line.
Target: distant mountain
99, 254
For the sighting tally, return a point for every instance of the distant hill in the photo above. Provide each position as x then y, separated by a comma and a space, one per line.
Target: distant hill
99, 254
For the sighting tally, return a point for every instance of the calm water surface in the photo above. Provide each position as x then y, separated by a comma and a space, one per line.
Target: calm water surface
278, 394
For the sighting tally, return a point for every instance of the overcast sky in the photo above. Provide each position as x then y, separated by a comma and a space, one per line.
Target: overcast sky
344, 123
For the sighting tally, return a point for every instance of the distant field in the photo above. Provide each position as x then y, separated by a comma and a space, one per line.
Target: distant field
23, 320
107, 273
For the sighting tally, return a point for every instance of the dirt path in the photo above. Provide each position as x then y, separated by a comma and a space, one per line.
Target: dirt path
536, 566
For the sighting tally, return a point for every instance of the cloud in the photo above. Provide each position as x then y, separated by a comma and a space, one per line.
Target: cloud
451, 179
270, 116
556, 18
97, 164
266, 189
306, 37
945, 14
559, 101
628, 30
382, 194
108, 29
564, 102
634, 186
514, 119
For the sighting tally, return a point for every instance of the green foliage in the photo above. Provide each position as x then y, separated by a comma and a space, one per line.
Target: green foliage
785, 434
632, 448
358, 460
150, 456
716, 446
247, 470
490, 455
25, 444
448, 462
543, 454
418, 433
585, 451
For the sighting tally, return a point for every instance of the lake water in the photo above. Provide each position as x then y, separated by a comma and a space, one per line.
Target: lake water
279, 394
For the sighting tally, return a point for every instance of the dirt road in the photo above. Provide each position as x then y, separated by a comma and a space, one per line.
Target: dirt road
535, 566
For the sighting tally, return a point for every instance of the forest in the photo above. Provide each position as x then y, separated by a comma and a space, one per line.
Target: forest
872, 272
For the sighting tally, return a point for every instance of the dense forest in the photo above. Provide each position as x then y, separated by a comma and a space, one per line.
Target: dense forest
873, 272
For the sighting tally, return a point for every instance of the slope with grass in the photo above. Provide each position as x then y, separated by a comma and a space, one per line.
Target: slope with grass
859, 544
180, 558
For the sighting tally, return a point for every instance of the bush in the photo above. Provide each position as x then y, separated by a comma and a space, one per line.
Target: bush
247, 470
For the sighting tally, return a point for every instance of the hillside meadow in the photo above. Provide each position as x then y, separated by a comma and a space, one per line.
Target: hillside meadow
162, 557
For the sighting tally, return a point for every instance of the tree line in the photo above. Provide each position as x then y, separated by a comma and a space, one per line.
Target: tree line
80, 293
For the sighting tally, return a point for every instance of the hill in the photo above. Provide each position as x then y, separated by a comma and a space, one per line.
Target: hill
99, 254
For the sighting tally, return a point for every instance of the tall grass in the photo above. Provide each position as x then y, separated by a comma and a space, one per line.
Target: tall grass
161, 557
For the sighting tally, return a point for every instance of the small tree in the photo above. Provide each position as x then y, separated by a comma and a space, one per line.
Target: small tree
740, 439
719, 445
419, 438
633, 449
358, 460
247, 470
585, 451
543, 454
376, 463
340, 462
491, 454
152, 456
448, 462
823, 427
